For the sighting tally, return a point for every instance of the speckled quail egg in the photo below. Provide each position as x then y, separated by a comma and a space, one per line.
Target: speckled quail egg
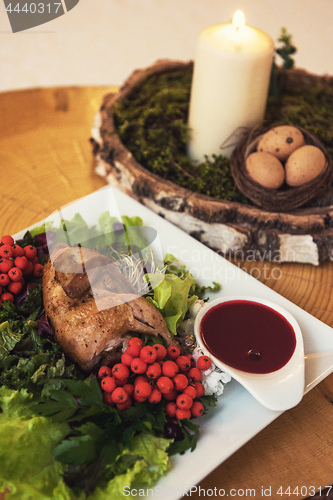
281, 141
265, 169
304, 165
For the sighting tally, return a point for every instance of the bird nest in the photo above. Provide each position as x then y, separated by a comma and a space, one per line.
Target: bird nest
286, 198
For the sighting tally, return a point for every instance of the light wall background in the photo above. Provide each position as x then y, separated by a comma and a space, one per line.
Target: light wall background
100, 42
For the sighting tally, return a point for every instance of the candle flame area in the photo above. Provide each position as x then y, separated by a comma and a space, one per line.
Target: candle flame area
238, 21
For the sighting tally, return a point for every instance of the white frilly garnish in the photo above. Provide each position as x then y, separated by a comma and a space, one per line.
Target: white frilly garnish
187, 326
213, 379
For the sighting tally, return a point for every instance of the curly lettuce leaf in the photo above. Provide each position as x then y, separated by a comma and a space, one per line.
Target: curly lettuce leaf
150, 458
9, 337
18, 321
126, 236
27, 466
174, 293
8, 310
173, 297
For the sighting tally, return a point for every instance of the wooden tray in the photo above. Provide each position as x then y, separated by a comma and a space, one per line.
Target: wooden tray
233, 229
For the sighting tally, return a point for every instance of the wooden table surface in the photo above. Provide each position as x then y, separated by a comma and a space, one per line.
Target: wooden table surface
46, 162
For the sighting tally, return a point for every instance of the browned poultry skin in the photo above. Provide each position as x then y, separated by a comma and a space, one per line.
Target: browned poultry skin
87, 326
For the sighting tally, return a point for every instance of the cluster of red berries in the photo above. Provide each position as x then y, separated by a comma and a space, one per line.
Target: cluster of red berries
15, 264
150, 373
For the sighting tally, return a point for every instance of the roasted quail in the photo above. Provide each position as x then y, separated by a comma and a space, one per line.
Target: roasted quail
93, 307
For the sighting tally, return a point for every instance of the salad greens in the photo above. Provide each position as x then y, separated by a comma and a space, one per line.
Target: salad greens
58, 438
33, 448
176, 293
28, 468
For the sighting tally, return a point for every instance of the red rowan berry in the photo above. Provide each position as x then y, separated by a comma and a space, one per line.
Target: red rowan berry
138, 366
184, 402
15, 274
133, 349
154, 371
7, 240
171, 396
197, 409
200, 390
173, 351
37, 271
180, 381
170, 368
125, 405
160, 351
6, 251
135, 340
142, 391
195, 374
190, 390
4, 279
7, 296
119, 395
104, 371
148, 354
21, 262
120, 372
129, 388
28, 270
108, 384
30, 252
126, 359
6, 265
181, 414
155, 396
203, 363
140, 378
184, 363
170, 409
192, 360
17, 251
165, 385
15, 287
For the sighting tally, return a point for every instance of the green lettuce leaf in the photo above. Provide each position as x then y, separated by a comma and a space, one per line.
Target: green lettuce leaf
172, 297
174, 293
9, 337
76, 230
29, 469
127, 239
150, 463
106, 223
27, 466
81, 449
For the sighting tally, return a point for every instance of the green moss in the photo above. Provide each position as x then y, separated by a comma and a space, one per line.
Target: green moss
312, 110
152, 123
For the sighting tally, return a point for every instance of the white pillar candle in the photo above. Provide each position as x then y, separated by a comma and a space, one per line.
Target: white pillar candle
230, 85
